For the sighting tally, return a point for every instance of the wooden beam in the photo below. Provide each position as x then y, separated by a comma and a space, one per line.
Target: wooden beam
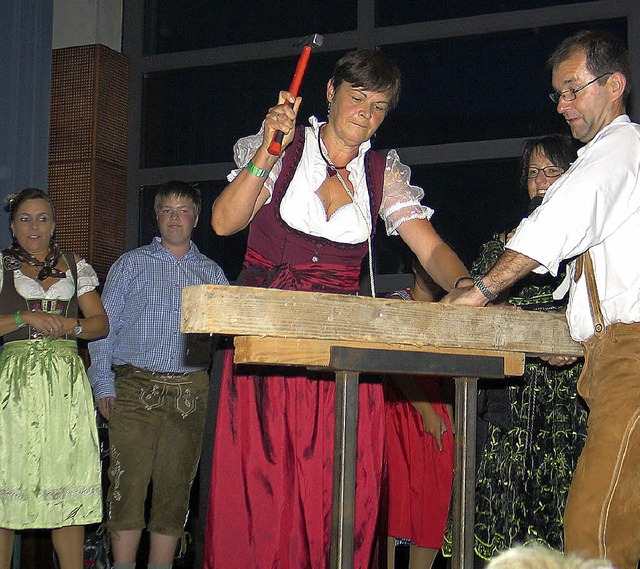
317, 353
249, 311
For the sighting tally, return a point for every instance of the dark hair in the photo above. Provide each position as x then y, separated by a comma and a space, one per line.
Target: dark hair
605, 53
370, 70
560, 149
179, 189
15, 200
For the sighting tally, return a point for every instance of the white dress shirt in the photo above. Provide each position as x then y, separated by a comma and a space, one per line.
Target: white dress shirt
595, 205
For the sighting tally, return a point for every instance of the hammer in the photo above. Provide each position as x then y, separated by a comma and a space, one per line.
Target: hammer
309, 42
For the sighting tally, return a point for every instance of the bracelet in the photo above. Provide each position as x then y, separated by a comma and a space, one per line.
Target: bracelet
483, 288
17, 319
253, 169
462, 279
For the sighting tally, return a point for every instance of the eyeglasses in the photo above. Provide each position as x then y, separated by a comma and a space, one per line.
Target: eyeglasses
570, 94
548, 171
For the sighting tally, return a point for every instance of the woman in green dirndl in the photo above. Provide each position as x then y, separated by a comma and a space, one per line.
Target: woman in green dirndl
49, 454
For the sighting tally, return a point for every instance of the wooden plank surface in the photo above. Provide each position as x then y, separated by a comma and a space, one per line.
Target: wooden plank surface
249, 311
317, 353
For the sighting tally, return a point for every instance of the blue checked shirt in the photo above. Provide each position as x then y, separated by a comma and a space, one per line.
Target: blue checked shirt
142, 296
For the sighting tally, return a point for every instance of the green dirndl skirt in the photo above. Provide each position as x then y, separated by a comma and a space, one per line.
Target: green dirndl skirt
49, 453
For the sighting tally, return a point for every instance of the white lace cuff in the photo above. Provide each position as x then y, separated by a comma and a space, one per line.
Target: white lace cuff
244, 149
400, 200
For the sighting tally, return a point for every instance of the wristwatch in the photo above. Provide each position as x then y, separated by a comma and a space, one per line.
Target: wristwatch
77, 330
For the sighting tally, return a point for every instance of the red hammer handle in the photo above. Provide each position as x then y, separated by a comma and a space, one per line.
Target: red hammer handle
300, 69
275, 148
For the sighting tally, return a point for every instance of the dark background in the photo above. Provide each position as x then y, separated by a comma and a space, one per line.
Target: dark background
461, 89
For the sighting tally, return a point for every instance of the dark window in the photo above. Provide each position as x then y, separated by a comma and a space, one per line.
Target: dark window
194, 116
455, 90
397, 12
478, 88
472, 201
172, 26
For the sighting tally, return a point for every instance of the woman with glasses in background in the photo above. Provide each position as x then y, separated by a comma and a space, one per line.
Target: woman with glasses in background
531, 432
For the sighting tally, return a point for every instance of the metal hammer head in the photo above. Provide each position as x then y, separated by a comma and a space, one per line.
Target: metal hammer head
314, 40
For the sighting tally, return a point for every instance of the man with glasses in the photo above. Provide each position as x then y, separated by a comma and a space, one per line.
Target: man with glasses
594, 209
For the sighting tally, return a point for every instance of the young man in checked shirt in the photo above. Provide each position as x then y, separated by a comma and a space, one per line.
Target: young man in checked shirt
151, 381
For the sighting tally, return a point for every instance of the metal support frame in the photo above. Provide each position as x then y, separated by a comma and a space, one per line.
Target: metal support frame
344, 470
347, 364
464, 487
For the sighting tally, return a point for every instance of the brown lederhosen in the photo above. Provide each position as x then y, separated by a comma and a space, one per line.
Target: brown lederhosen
603, 507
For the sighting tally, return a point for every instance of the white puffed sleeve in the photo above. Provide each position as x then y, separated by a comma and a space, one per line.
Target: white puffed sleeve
400, 200
87, 278
244, 149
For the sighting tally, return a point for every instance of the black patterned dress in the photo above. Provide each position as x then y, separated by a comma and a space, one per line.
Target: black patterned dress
535, 430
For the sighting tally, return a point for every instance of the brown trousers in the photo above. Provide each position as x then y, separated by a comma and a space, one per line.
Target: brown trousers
602, 517
155, 435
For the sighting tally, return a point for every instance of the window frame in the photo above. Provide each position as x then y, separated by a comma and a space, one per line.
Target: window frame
365, 36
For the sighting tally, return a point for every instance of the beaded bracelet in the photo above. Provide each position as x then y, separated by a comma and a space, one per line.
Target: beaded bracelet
17, 319
253, 169
483, 288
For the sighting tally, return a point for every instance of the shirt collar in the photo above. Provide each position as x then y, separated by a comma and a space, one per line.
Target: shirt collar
600, 133
156, 247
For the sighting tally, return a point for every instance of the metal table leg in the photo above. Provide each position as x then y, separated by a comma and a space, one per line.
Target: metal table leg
344, 470
464, 482
384, 361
